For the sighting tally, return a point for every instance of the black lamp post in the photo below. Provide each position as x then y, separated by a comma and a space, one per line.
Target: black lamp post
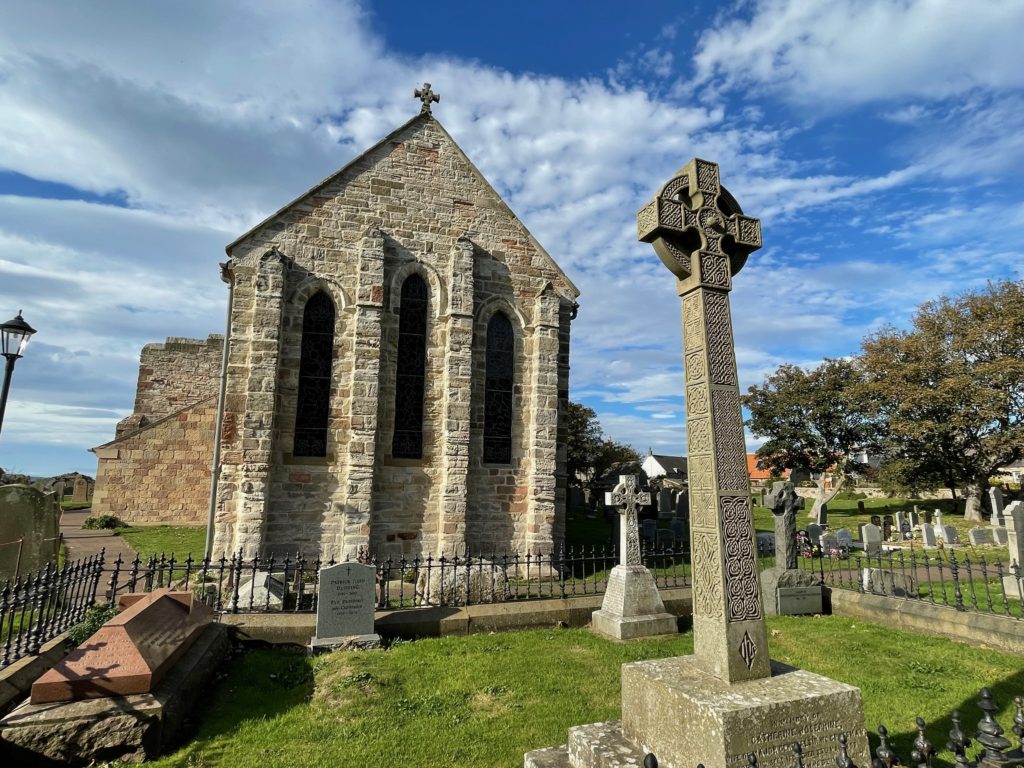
14, 336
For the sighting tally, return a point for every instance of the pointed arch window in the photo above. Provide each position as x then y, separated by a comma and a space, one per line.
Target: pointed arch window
313, 406
410, 371
500, 370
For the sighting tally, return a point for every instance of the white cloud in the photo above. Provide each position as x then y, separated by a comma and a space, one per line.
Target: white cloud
854, 51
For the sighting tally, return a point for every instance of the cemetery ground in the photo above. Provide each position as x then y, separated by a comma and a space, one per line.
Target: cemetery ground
486, 699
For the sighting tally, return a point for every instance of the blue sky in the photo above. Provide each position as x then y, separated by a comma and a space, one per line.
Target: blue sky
881, 144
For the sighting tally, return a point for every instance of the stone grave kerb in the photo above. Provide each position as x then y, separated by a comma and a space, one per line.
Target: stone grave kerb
628, 499
700, 233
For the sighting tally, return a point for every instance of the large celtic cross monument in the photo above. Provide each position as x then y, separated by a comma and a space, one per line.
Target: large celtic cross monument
628, 498
702, 236
729, 699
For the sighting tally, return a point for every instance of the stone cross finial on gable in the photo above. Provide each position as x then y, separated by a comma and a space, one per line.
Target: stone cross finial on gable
628, 498
426, 96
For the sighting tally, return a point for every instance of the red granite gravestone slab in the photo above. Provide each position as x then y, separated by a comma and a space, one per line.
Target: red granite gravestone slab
131, 652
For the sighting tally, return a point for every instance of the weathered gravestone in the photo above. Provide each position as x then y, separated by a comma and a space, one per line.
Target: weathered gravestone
1000, 537
845, 538
887, 525
937, 522
680, 527
577, 502
29, 530
1013, 516
666, 508
860, 506
729, 698
829, 543
683, 505
876, 520
915, 517
345, 607
814, 533
949, 535
124, 693
871, 537
631, 606
784, 588
822, 517
649, 529
900, 524
995, 495
979, 536
929, 517
928, 540
80, 492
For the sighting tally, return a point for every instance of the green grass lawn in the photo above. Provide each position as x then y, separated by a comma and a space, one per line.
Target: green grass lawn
165, 539
484, 700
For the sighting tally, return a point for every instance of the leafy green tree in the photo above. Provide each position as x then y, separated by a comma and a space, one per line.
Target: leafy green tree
813, 420
950, 390
589, 452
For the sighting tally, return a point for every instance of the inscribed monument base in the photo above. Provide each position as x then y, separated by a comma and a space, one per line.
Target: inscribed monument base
685, 716
632, 607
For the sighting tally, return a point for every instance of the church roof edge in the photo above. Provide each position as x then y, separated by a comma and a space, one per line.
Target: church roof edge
422, 116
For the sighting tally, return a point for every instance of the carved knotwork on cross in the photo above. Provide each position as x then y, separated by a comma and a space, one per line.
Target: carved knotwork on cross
628, 498
784, 502
697, 227
426, 96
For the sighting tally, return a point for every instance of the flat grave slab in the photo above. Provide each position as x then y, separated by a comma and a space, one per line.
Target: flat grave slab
131, 652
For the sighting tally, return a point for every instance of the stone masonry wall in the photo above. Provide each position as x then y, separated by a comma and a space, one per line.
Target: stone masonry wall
160, 474
172, 375
412, 203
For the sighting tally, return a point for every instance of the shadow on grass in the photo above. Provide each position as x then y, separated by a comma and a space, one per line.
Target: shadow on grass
903, 734
258, 685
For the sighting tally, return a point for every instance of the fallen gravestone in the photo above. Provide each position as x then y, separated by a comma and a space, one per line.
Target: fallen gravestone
481, 581
346, 601
124, 693
882, 581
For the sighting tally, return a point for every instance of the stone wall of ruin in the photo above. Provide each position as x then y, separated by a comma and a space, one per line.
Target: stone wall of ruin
177, 373
160, 474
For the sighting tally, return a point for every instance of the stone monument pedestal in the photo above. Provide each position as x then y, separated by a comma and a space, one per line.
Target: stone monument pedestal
686, 716
632, 607
786, 578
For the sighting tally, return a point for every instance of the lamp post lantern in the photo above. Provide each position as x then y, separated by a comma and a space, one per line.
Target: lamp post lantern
14, 336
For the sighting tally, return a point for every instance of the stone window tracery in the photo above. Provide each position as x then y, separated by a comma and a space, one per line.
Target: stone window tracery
500, 375
410, 370
313, 404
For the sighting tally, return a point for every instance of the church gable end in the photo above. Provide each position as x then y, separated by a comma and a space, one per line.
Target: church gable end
422, 442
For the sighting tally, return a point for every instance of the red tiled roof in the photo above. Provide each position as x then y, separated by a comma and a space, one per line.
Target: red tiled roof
760, 474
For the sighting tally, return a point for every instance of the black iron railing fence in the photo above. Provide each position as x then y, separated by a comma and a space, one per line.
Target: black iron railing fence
290, 583
941, 577
38, 606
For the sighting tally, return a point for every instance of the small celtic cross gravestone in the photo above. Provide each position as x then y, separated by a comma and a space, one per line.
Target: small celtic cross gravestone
426, 96
784, 503
701, 235
628, 498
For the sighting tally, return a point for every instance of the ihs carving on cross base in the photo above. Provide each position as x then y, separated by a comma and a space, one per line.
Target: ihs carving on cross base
628, 498
426, 95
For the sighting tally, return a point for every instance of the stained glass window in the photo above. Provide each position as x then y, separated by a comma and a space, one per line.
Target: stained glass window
500, 370
313, 407
410, 371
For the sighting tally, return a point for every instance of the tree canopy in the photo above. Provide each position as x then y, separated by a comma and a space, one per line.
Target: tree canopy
941, 401
589, 452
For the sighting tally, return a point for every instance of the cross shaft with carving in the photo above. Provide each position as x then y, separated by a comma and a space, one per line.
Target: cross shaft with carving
702, 236
628, 498
425, 95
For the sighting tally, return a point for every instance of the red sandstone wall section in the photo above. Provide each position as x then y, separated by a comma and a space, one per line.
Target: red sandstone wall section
161, 474
177, 373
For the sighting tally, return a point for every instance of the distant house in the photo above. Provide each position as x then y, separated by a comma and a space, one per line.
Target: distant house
759, 478
1013, 473
659, 465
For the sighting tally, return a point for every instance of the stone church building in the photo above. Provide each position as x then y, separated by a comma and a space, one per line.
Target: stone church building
397, 374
